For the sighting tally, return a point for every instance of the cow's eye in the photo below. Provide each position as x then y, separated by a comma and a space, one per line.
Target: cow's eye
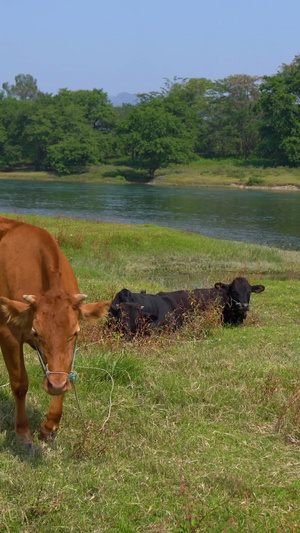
34, 332
74, 335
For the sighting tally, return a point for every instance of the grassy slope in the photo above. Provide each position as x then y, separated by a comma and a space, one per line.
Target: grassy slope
202, 172
203, 432
229, 172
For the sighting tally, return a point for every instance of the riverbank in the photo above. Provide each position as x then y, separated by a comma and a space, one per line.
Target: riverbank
200, 173
193, 430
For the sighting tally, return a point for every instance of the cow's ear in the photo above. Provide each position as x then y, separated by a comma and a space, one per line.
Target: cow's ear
221, 286
257, 288
16, 312
95, 310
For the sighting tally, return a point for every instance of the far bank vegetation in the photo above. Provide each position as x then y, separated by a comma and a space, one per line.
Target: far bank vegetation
241, 129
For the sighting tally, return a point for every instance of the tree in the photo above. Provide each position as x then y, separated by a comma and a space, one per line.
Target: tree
158, 131
58, 137
63, 133
98, 109
14, 115
72, 153
98, 112
280, 104
196, 93
25, 88
231, 126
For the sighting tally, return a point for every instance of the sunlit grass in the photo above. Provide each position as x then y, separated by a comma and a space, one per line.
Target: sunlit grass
186, 431
201, 172
207, 172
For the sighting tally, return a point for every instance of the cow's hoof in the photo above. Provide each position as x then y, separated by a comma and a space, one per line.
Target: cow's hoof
25, 439
29, 445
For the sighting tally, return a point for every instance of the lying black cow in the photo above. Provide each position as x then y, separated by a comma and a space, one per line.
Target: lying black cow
234, 299
137, 311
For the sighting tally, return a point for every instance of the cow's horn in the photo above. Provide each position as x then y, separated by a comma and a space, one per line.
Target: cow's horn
29, 298
80, 297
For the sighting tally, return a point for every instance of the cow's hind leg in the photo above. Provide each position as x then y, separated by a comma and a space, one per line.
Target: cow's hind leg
50, 425
12, 352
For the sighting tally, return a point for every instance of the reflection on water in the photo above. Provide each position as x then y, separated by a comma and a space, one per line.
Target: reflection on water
263, 217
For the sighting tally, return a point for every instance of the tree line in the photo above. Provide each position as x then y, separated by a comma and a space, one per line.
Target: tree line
239, 116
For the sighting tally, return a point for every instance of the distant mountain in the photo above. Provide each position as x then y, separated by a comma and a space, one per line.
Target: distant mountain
123, 98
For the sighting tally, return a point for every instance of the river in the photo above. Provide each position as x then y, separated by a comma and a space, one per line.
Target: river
258, 216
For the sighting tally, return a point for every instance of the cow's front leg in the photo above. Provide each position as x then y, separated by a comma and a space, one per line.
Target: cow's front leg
50, 425
12, 352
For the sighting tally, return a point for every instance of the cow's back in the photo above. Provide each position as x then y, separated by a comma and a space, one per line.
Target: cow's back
31, 261
206, 296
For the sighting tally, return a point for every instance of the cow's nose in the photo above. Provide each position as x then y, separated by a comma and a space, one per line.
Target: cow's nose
245, 307
56, 384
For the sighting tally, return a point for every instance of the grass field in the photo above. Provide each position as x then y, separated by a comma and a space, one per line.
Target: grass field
201, 172
186, 432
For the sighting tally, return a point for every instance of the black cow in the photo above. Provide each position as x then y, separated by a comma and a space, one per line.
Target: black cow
234, 299
134, 311
195, 298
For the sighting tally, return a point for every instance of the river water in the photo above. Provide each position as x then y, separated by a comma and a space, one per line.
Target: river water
258, 216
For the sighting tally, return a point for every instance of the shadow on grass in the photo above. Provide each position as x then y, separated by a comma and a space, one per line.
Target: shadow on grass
11, 441
130, 175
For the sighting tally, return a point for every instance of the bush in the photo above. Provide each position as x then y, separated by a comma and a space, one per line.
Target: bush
254, 181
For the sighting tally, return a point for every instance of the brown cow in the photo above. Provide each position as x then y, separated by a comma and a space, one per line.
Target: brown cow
34, 269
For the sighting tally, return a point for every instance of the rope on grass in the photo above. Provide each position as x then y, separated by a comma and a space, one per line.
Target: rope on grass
110, 395
79, 406
112, 380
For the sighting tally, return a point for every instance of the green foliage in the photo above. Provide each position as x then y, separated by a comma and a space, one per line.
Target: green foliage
279, 102
64, 133
231, 127
58, 138
97, 108
235, 117
159, 131
72, 153
254, 180
14, 117
25, 88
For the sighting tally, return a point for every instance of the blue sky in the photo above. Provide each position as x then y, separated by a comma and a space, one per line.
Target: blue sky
132, 45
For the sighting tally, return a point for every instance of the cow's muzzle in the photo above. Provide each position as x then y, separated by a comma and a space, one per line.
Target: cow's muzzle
242, 308
57, 383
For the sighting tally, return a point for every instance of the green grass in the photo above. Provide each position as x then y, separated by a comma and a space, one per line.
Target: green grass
229, 172
201, 172
185, 432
